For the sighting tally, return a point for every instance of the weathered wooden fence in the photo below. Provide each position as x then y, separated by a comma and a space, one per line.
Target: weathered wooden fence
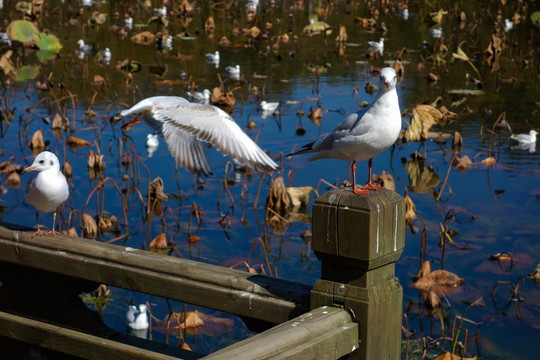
355, 308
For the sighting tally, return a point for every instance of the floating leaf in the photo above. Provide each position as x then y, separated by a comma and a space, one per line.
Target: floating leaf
385, 180
23, 31
144, 38
5, 63
439, 282
75, 142
422, 119
278, 198
89, 226
535, 275
315, 115
299, 196
463, 164
535, 17
489, 161
410, 209
425, 269
450, 356
159, 242
13, 180
27, 72
461, 55
193, 322
317, 28
49, 42
37, 144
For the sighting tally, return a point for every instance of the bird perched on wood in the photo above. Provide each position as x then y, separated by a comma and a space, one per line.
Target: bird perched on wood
363, 135
184, 125
47, 188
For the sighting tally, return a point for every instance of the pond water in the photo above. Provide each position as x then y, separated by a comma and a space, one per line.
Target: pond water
496, 207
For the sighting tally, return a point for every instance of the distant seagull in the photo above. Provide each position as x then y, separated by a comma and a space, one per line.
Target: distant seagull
508, 25
529, 138
85, 49
184, 125
137, 319
435, 33
269, 106
213, 58
377, 46
405, 14
86, 2
233, 72
200, 97
162, 11
128, 22
47, 188
152, 144
106, 55
363, 135
4, 39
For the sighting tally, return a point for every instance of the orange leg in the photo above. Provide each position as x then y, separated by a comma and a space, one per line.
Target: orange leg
370, 185
354, 189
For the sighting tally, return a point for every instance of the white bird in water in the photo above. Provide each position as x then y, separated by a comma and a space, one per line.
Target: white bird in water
269, 106
184, 125
137, 319
106, 55
162, 11
152, 144
85, 48
233, 72
213, 58
377, 46
508, 25
200, 97
47, 188
529, 138
435, 33
128, 22
363, 135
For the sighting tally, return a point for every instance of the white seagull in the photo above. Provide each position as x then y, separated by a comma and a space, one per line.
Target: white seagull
47, 188
106, 55
213, 58
128, 22
362, 136
269, 106
377, 46
529, 138
152, 144
233, 72
200, 97
137, 319
184, 125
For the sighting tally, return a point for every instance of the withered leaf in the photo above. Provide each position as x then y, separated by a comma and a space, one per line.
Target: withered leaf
278, 198
385, 180
410, 209
89, 226
489, 161
13, 180
144, 38
463, 164
315, 115
299, 196
75, 142
425, 269
159, 242
37, 144
422, 119
439, 282
450, 356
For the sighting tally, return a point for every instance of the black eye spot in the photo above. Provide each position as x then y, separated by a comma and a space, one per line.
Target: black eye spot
41, 161
51, 162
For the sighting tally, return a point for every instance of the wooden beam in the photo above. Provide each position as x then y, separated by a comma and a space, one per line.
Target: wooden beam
80, 344
323, 333
233, 291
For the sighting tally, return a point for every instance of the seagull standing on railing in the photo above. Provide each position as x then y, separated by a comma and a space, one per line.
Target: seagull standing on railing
47, 188
363, 135
184, 125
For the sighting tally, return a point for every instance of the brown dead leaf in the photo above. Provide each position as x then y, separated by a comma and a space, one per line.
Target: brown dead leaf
193, 322
13, 180
7, 167
37, 144
156, 190
193, 239
410, 210
159, 242
315, 115
425, 269
278, 198
75, 142
6, 65
450, 356
463, 164
422, 119
535, 275
67, 170
215, 326
299, 196
439, 282
489, 161
95, 161
144, 38
98, 80
342, 35
385, 180
89, 226
422, 178
185, 346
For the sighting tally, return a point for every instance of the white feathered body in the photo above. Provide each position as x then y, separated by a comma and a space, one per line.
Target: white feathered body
46, 189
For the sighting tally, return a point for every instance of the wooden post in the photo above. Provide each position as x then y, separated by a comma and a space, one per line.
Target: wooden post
358, 238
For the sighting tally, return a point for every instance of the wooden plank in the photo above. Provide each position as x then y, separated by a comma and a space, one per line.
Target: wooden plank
79, 344
323, 333
233, 291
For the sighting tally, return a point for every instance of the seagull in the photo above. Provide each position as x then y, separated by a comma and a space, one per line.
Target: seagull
152, 144
184, 125
508, 25
47, 188
137, 319
529, 138
162, 11
200, 97
85, 48
106, 55
128, 21
213, 58
363, 135
377, 46
435, 33
269, 106
233, 72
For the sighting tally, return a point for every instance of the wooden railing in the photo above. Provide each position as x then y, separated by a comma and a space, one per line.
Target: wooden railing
355, 308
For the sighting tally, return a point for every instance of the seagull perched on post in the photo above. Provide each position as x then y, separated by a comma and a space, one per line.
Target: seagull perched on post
184, 125
47, 188
363, 135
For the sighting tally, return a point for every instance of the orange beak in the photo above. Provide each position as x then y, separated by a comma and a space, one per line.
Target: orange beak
28, 168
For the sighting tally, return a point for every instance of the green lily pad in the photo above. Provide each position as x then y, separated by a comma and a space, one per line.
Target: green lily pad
49, 43
534, 17
26, 72
44, 55
23, 31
